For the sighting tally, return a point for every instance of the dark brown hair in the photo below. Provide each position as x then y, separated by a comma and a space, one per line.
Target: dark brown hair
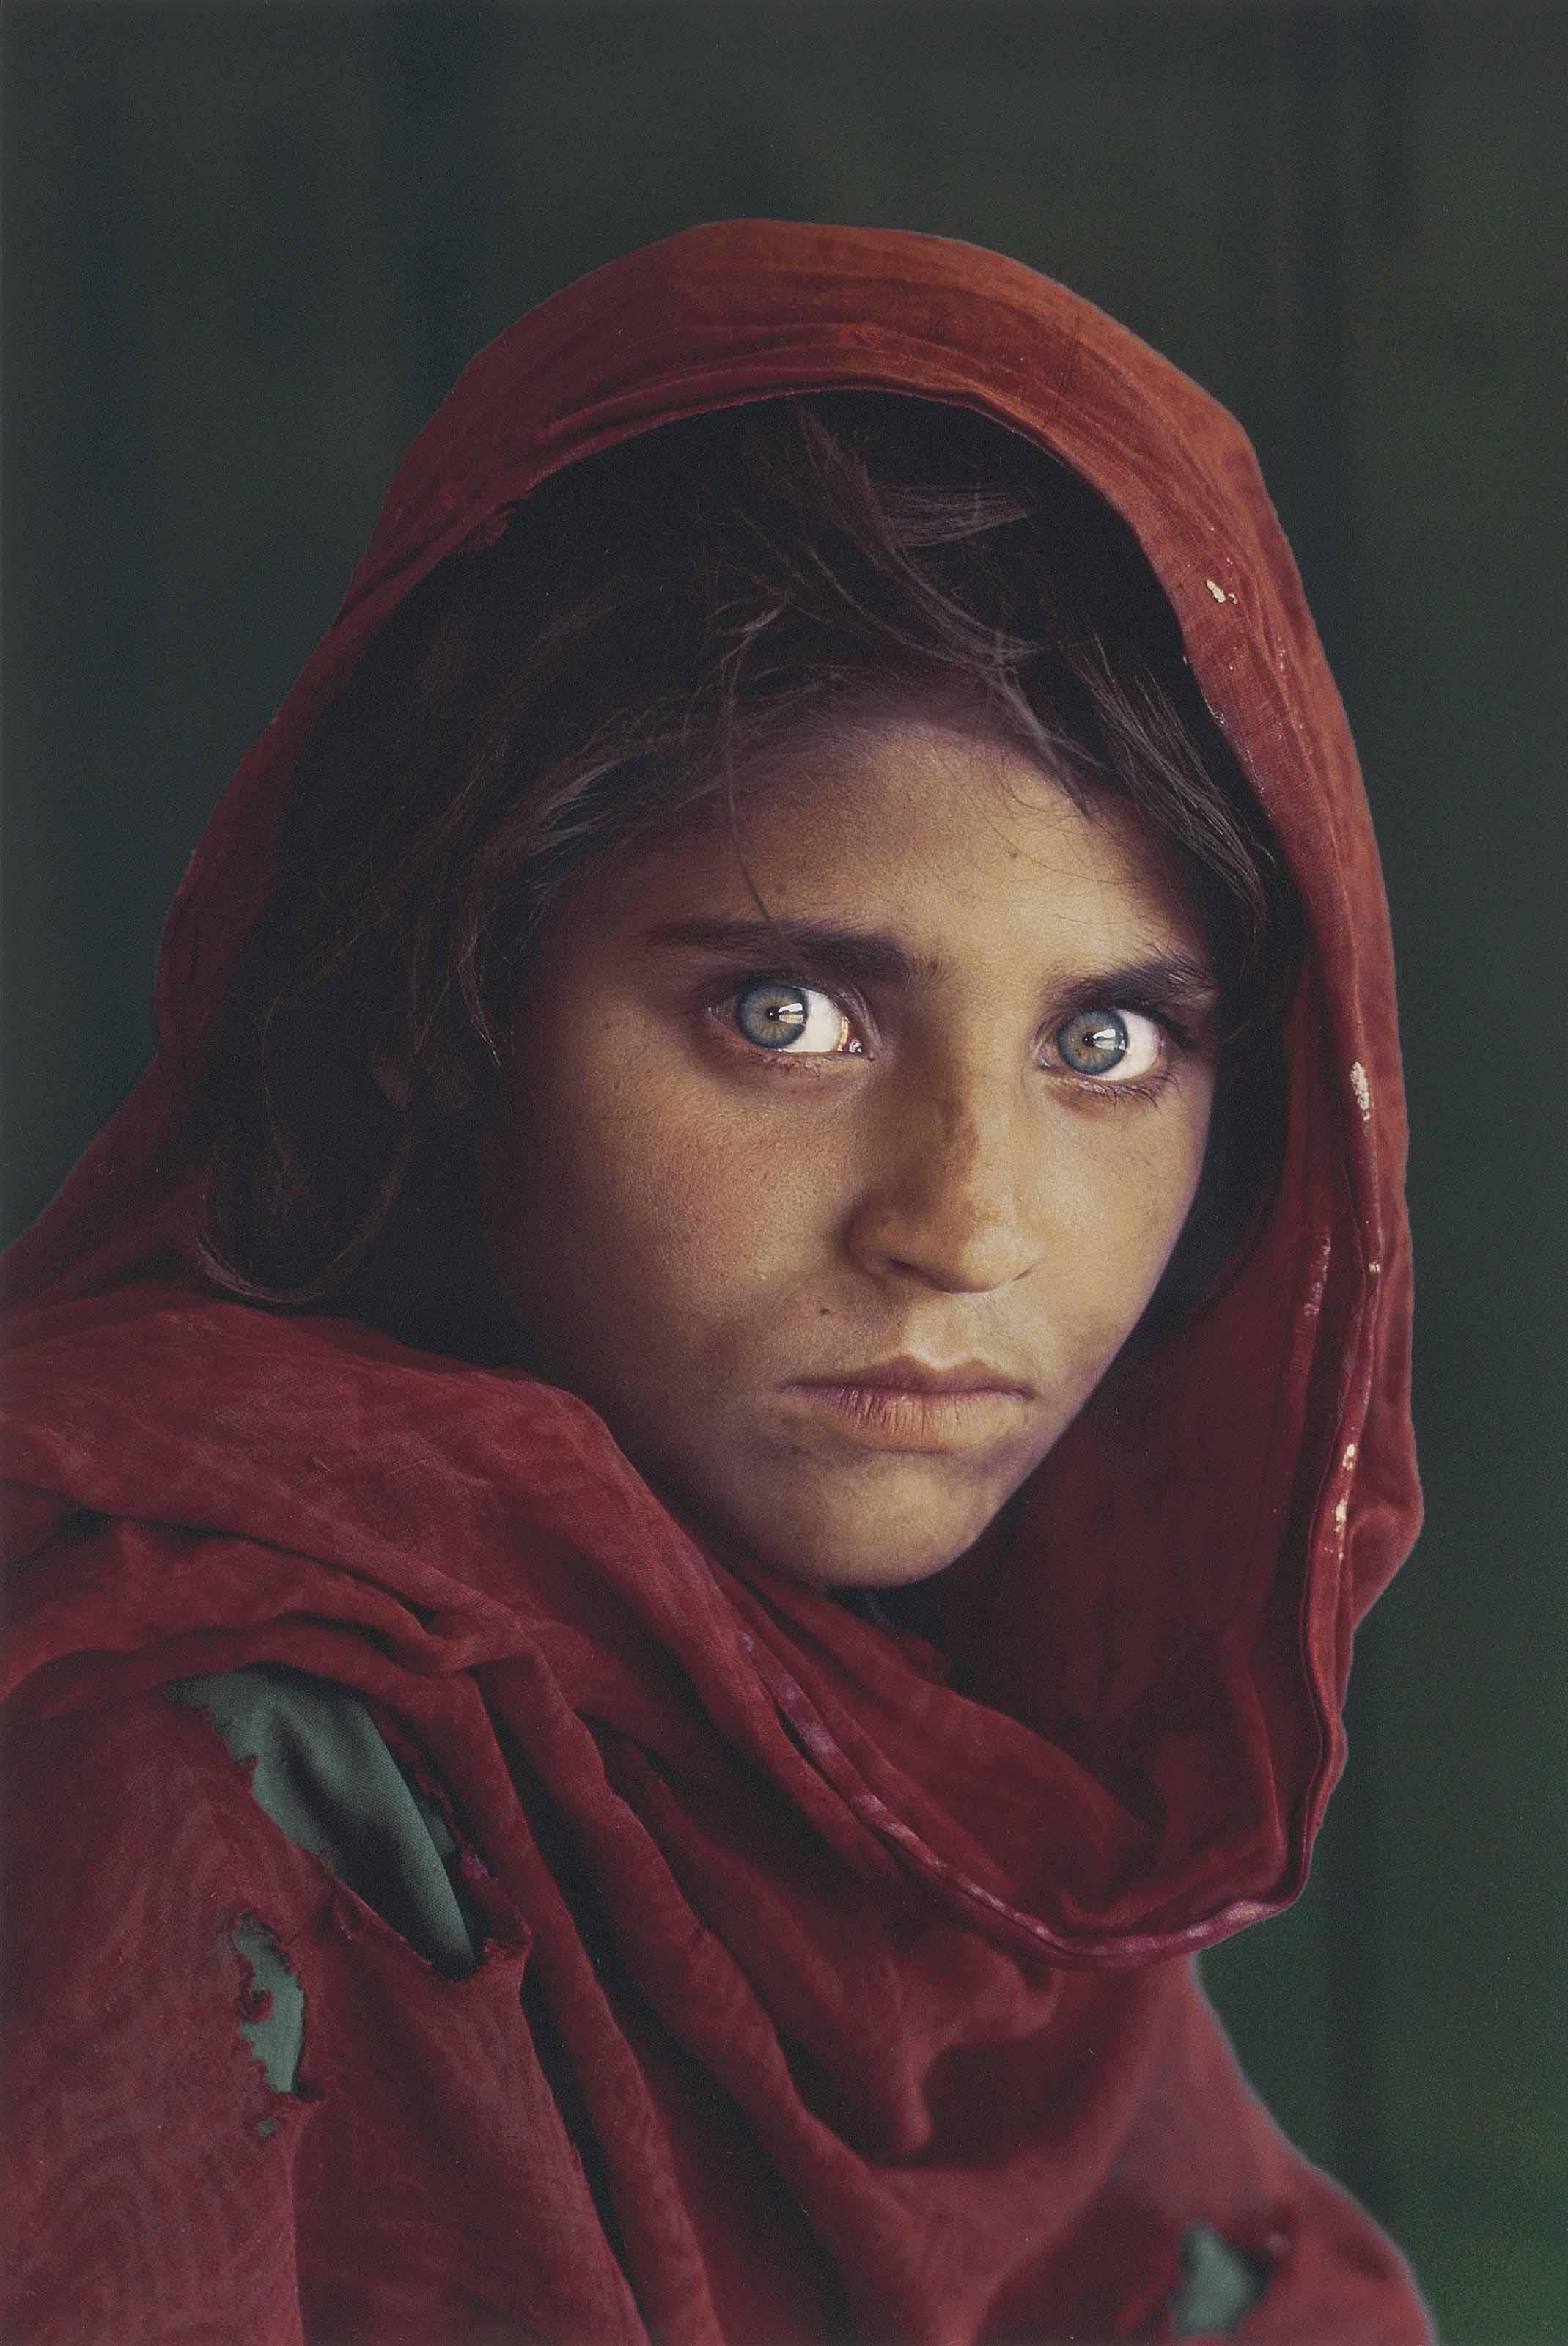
647, 622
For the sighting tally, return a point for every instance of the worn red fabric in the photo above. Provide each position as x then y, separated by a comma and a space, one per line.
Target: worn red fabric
821, 2000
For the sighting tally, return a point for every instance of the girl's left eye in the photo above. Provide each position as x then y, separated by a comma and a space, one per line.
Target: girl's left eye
1118, 1046
780, 1016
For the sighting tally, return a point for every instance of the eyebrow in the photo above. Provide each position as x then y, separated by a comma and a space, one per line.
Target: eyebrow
869, 957
862, 955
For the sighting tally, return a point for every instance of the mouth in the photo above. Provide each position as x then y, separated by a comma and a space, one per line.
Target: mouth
913, 1405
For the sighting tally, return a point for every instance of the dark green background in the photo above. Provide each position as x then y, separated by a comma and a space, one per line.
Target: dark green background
246, 246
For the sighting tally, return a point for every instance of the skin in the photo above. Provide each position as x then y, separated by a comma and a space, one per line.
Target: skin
687, 1224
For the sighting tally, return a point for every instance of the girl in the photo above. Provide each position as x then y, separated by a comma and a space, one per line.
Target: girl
694, 1471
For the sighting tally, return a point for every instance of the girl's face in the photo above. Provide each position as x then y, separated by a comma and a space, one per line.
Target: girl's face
838, 1221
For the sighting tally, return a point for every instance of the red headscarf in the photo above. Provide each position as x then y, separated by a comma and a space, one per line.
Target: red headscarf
862, 1995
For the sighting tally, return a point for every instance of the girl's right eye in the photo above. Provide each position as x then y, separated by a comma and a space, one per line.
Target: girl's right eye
777, 1014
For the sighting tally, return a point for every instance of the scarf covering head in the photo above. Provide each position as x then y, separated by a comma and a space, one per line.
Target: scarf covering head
860, 1991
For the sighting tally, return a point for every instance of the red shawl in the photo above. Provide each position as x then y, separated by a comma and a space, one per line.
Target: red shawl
820, 2000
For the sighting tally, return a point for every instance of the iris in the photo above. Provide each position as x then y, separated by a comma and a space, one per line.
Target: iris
772, 1013
1094, 1042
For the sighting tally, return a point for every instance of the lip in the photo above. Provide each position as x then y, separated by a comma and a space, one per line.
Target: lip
914, 1405
907, 1374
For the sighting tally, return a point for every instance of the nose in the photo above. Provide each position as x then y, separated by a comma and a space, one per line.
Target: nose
950, 1194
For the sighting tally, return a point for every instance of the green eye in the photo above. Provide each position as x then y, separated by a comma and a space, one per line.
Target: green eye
773, 1015
1095, 1042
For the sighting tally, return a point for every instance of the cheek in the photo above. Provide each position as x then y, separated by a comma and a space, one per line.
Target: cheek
630, 1215
1132, 1196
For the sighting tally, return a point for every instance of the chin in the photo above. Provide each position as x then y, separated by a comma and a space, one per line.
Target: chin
865, 1554
870, 1522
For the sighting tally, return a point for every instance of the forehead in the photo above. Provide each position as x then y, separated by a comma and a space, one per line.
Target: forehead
921, 820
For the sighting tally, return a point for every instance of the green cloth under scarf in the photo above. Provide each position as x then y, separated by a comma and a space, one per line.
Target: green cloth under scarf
321, 1770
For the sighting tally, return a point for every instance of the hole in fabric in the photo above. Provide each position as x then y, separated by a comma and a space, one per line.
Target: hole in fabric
273, 2007
1218, 2285
318, 1764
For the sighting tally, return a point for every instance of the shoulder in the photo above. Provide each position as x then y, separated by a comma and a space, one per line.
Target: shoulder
135, 1844
154, 2014
322, 1769
260, 1787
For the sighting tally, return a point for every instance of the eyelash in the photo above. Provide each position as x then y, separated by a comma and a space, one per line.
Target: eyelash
1179, 1042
